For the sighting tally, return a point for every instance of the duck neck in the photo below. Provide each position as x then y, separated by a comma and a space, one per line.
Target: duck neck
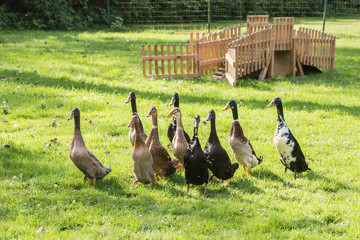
213, 134
133, 105
195, 132
178, 122
77, 122
154, 133
280, 112
138, 138
235, 113
176, 103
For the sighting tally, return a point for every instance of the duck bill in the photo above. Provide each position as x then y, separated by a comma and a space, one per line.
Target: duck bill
149, 114
209, 117
70, 117
271, 104
171, 113
227, 106
172, 101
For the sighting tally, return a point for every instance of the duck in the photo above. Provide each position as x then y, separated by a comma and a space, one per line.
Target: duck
131, 98
179, 144
141, 156
196, 171
83, 159
290, 153
162, 163
240, 145
217, 158
172, 127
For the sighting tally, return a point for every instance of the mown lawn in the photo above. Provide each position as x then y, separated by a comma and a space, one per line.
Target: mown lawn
44, 74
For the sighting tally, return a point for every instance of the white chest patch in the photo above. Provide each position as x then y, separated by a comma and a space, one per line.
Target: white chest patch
284, 144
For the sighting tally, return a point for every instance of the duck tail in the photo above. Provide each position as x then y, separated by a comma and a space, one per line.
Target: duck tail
108, 170
235, 166
260, 159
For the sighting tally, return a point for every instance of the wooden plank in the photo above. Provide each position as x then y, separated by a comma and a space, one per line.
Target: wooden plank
143, 61
168, 60
299, 67
187, 60
175, 62
181, 59
162, 61
156, 61
171, 57
230, 79
149, 54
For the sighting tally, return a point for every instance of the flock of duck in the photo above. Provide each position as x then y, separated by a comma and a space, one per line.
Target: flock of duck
150, 156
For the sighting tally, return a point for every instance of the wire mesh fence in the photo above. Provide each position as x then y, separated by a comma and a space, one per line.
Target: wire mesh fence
195, 11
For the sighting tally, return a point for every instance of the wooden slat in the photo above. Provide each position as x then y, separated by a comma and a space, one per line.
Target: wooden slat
156, 61
149, 54
168, 60
162, 61
143, 61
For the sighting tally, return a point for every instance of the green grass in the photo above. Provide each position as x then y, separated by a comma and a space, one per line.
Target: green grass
43, 75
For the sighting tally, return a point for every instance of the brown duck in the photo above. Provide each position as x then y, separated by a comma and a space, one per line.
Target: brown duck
131, 98
162, 163
142, 159
83, 159
241, 146
179, 143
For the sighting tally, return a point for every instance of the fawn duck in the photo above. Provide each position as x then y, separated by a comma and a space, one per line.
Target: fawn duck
83, 159
142, 159
162, 163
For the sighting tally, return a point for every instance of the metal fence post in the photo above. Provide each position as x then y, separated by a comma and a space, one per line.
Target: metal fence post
324, 15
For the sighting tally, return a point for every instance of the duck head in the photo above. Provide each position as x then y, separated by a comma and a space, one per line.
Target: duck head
175, 111
175, 100
275, 102
74, 113
196, 121
131, 97
231, 104
211, 115
152, 112
134, 120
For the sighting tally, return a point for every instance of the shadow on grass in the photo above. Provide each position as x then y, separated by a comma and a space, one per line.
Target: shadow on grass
28, 78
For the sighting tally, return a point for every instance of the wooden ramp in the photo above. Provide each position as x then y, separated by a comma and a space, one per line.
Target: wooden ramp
250, 53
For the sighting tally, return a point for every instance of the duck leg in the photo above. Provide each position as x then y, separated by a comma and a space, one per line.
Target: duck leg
130, 166
157, 177
295, 175
85, 178
94, 180
188, 187
205, 191
135, 182
248, 171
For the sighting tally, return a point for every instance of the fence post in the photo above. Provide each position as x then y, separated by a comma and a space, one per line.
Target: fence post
324, 16
209, 15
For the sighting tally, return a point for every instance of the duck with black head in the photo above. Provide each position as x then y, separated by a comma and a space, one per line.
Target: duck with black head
291, 155
217, 158
83, 159
196, 171
241, 146
132, 98
172, 127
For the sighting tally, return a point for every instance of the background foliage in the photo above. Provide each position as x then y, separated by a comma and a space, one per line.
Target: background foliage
82, 14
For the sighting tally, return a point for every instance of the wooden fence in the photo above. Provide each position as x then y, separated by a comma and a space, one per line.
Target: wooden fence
169, 61
315, 48
256, 23
284, 33
211, 48
250, 53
